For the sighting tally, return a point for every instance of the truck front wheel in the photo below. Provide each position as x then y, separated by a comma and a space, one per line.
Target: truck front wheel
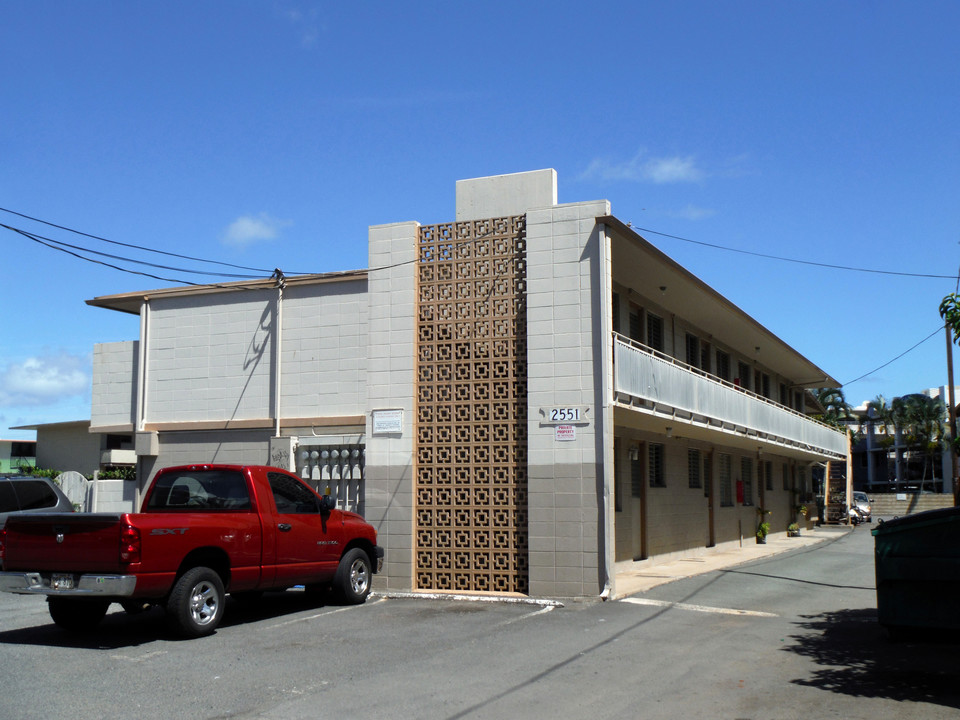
195, 605
354, 573
77, 615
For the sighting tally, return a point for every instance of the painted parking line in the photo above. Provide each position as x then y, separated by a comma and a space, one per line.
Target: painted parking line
308, 618
697, 608
529, 615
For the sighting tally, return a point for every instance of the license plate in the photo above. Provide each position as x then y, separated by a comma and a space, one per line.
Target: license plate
61, 582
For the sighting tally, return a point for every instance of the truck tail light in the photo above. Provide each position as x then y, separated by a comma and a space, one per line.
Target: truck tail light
3, 544
129, 544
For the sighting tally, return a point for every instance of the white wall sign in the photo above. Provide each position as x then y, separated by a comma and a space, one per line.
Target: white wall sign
565, 415
387, 422
565, 433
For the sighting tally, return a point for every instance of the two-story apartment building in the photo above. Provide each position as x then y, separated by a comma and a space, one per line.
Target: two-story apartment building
525, 399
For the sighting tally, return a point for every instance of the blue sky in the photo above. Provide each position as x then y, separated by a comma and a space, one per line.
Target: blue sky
272, 134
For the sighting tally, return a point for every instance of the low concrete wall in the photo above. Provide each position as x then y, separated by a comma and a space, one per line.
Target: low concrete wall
888, 504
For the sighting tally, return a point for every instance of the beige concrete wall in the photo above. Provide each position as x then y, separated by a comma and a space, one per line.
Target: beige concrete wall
564, 346
114, 384
68, 448
678, 516
390, 384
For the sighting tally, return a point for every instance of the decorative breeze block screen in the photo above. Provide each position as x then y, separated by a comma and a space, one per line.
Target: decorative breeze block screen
471, 414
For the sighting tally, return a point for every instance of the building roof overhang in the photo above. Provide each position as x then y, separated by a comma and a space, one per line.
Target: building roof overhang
638, 264
132, 302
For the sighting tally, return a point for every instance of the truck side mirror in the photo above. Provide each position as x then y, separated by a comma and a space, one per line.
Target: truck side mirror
327, 503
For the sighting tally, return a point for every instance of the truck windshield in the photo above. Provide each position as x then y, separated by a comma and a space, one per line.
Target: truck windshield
200, 490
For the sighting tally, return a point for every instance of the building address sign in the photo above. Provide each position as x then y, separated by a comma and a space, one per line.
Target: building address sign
565, 415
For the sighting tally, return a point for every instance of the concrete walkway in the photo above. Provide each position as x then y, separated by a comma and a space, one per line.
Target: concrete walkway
640, 576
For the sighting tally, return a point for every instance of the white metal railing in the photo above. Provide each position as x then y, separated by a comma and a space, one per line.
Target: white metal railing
644, 373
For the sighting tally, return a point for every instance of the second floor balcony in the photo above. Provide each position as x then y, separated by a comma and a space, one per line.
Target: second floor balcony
658, 384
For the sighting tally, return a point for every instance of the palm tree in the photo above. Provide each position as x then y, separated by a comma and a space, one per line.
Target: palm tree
927, 428
835, 407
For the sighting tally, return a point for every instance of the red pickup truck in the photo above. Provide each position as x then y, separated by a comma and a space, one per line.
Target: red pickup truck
203, 531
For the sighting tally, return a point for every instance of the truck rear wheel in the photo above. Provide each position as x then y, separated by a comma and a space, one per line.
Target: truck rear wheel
354, 573
77, 614
195, 605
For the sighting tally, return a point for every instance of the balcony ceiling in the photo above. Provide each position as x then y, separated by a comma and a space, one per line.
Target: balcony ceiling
639, 265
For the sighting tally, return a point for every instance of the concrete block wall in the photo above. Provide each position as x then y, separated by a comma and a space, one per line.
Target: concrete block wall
113, 496
565, 484
324, 350
114, 384
211, 359
392, 287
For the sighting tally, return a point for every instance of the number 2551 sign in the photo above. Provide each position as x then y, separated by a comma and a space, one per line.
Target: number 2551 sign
565, 415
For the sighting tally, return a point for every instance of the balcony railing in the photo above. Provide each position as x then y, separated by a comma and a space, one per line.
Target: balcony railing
671, 385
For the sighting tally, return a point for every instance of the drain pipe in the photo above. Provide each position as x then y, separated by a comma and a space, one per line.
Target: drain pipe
278, 339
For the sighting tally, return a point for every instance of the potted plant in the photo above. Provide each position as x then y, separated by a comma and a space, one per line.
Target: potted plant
793, 530
763, 526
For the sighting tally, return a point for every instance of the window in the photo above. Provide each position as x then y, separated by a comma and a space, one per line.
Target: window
784, 395
616, 312
723, 365
636, 323
743, 376
768, 474
746, 475
657, 475
292, 496
655, 332
705, 356
694, 468
8, 499
34, 495
200, 490
725, 463
693, 350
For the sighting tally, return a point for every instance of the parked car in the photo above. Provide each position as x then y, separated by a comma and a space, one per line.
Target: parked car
862, 503
202, 531
23, 493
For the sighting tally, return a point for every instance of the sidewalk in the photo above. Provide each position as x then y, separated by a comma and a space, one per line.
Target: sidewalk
634, 577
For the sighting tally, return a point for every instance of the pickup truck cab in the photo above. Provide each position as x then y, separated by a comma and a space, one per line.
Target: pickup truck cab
203, 531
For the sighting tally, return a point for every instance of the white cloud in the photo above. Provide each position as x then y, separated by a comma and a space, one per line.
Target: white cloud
247, 230
44, 380
640, 168
691, 212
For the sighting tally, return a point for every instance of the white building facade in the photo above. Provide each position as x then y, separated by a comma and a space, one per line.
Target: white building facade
527, 399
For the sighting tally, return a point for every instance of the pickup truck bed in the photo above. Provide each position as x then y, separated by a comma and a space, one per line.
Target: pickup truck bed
204, 530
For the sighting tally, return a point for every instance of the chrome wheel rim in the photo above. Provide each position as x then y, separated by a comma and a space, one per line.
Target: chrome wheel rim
204, 601
359, 577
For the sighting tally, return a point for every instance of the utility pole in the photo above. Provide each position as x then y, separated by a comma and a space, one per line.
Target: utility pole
952, 403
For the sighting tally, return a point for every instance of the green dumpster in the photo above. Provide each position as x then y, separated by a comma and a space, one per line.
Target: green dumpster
918, 570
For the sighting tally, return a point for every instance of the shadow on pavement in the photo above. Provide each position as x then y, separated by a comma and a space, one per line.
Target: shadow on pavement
120, 629
857, 657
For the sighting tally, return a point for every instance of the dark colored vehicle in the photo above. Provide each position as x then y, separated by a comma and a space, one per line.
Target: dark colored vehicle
203, 531
23, 493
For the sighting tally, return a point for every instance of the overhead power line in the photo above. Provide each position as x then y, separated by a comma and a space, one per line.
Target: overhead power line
797, 261
135, 247
890, 362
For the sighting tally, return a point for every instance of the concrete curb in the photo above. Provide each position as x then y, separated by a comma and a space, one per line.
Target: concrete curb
459, 597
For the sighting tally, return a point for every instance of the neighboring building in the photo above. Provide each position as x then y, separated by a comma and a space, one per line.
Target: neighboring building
15, 454
527, 399
67, 446
875, 451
